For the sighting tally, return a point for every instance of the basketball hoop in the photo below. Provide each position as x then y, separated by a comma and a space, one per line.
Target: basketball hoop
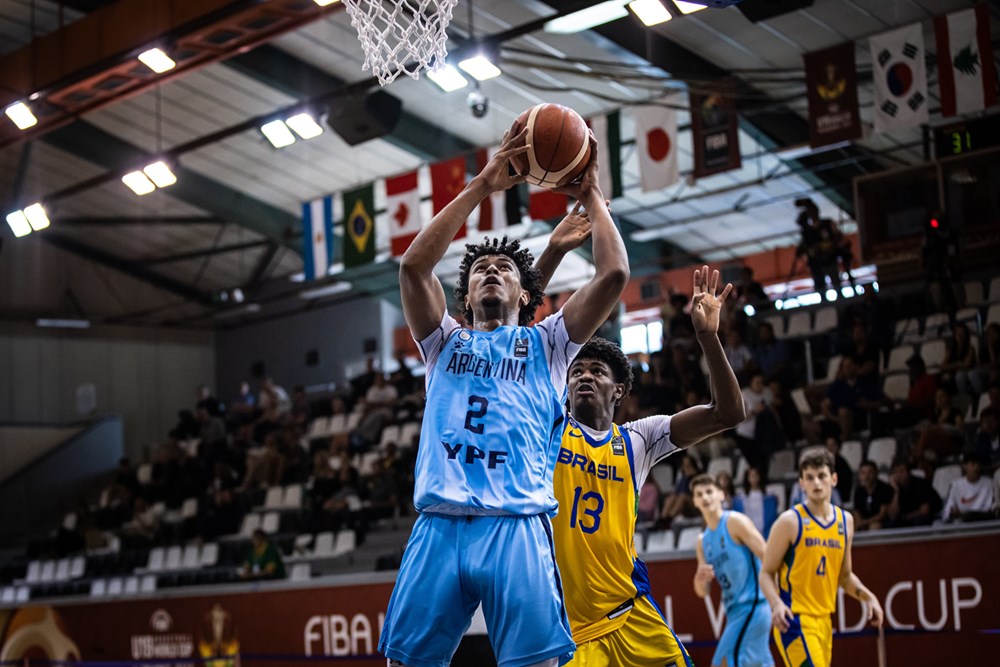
401, 36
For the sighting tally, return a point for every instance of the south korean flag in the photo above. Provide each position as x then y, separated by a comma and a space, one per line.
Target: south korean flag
900, 79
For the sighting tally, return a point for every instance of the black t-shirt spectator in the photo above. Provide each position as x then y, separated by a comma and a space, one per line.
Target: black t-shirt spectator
917, 492
867, 505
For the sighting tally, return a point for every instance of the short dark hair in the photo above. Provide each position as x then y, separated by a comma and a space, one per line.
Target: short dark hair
816, 458
525, 263
868, 462
972, 456
611, 354
702, 480
900, 461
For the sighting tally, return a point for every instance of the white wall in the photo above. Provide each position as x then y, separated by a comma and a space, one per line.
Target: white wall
145, 380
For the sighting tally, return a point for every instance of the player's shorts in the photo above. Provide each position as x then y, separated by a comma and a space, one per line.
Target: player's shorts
645, 640
454, 563
808, 642
744, 642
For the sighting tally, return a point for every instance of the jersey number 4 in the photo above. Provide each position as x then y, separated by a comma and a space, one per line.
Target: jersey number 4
821, 568
592, 512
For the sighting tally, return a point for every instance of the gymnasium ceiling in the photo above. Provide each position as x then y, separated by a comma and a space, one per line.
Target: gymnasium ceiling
232, 220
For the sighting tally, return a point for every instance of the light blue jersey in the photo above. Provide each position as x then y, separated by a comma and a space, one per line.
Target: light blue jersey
491, 428
735, 565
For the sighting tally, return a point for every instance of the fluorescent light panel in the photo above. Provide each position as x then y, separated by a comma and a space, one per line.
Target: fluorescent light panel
326, 290
36, 217
689, 7
21, 115
447, 78
587, 18
278, 133
160, 174
19, 223
138, 183
304, 125
324, 3
480, 68
58, 323
650, 12
157, 60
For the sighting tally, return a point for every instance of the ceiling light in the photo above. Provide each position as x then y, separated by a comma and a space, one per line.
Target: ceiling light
58, 323
138, 183
689, 7
480, 68
278, 133
157, 60
587, 18
160, 174
447, 78
338, 287
304, 126
21, 115
18, 223
650, 12
324, 3
36, 217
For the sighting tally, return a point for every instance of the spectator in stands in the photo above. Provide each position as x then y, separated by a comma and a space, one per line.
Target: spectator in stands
923, 387
206, 400
754, 501
679, 327
220, 514
686, 364
877, 317
141, 531
273, 399
725, 482
864, 353
914, 501
300, 411
263, 560
770, 355
944, 434
265, 465
988, 372
361, 383
211, 428
402, 378
738, 355
242, 407
759, 434
845, 476
852, 397
970, 498
872, 497
381, 492
679, 503
751, 292
960, 362
667, 381
649, 503
784, 409
988, 438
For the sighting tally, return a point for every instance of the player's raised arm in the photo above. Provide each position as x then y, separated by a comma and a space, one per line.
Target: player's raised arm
851, 583
421, 291
590, 305
782, 535
726, 410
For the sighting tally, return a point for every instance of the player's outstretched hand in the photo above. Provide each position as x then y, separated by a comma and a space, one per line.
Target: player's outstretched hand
705, 574
573, 230
875, 614
497, 172
781, 615
705, 305
588, 180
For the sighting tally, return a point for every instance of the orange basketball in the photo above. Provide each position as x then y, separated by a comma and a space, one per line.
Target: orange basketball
559, 145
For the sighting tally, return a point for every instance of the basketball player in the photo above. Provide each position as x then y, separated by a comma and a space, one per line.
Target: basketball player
600, 471
488, 443
729, 551
809, 551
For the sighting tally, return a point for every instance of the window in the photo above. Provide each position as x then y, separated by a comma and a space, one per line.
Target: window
645, 338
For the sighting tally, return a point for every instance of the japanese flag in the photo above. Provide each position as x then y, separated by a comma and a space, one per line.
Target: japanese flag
656, 141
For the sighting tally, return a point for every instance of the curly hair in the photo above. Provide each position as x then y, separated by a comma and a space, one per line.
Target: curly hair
525, 263
611, 354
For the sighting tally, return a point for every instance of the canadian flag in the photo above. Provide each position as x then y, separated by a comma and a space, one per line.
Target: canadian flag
966, 71
656, 141
403, 207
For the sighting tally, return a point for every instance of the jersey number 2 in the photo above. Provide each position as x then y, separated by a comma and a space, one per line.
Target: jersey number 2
821, 568
594, 513
477, 410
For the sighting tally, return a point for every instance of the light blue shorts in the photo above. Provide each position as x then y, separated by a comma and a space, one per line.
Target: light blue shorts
744, 642
454, 563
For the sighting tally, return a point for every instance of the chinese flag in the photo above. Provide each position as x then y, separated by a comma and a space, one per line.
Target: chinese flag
447, 180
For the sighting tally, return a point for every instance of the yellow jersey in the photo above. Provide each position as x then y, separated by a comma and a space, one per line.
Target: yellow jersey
810, 572
596, 483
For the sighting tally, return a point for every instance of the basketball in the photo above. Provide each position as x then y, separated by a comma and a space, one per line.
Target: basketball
559, 141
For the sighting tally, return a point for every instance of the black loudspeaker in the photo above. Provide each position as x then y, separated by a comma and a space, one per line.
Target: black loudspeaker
761, 10
360, 118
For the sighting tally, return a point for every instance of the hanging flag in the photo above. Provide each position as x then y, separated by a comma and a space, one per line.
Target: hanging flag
403, 208
900, 78
656, 142
966, 71
359, 226
500, 209
546, 203
832, 85
607, 131
447, 180
714, 130
317, 236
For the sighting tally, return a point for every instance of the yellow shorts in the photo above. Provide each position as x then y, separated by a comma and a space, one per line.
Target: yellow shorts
644, 641
808, 642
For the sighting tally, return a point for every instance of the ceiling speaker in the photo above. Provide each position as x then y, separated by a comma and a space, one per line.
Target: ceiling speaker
761, 10
360, 118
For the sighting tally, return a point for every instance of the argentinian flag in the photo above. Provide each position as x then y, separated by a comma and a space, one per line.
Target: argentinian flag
317, 236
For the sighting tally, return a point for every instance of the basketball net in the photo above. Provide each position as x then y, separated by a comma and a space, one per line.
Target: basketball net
401, 36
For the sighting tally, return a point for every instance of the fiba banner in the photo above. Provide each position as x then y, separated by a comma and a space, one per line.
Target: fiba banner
403, 207
966, 71
359, 226
317, 236
715, 130
656, 141
939, 597
832, 84
900, 78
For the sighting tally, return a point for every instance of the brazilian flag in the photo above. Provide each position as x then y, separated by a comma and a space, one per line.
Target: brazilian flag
359, 226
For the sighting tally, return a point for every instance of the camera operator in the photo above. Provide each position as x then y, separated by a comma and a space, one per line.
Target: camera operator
823, 245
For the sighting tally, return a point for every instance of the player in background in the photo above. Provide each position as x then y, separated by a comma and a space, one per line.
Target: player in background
601, 468
730, 550
488, 443
808, 555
